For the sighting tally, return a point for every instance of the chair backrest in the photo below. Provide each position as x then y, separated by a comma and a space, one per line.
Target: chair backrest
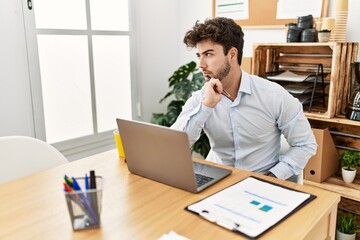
21, 156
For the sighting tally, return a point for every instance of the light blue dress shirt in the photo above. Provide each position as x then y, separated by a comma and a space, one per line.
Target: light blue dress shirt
246, 133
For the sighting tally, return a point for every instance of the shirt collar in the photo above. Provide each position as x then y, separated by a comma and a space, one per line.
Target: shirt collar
245, 83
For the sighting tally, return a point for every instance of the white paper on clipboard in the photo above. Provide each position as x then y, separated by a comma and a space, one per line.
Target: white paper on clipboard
250, 207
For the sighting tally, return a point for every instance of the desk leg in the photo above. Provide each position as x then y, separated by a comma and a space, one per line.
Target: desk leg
332, 223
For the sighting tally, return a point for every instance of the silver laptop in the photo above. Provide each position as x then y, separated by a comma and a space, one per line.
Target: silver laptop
163, 154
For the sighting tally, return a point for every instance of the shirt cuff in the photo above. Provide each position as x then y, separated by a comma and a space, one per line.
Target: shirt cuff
281, 171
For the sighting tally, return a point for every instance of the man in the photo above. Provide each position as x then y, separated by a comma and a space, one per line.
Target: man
242, 115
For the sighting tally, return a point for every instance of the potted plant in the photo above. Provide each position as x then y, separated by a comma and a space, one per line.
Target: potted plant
324, 35
349, 161
183, 82
346, 226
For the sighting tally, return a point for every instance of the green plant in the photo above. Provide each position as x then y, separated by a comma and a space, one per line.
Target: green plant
346, 223
349, 159
183, 82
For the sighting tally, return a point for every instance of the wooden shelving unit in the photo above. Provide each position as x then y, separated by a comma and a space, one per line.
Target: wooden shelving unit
335, 58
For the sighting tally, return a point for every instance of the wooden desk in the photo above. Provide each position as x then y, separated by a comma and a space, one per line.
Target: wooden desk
133, 207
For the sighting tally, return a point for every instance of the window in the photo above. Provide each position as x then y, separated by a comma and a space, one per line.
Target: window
84, 61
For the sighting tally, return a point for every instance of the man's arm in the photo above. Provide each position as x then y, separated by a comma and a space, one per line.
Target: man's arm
193, 117
297, 130
198, 108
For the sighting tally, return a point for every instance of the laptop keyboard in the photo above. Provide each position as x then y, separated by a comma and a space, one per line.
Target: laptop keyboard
202, 179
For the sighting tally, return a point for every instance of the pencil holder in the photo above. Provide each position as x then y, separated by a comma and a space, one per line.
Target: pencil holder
85, 205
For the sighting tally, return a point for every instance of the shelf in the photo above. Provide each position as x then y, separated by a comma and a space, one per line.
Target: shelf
337, 185
337, 120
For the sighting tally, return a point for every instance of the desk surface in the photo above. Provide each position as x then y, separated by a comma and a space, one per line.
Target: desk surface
133, 207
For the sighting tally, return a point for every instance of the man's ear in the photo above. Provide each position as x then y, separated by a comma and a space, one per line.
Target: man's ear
233, 53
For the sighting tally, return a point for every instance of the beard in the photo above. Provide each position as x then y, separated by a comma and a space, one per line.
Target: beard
224, 70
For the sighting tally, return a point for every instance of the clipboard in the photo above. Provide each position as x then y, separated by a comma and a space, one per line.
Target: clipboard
251, 207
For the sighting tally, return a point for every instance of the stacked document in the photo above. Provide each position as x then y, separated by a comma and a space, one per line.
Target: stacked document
251, 206
298, 89
291, 77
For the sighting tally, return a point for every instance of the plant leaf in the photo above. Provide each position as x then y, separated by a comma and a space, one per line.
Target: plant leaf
184, 81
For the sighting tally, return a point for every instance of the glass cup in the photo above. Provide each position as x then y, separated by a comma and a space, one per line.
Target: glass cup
85, 205
119, 145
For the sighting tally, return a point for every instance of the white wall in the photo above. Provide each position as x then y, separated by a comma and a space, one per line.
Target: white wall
190, 11
352, 31
15, 99
157, 54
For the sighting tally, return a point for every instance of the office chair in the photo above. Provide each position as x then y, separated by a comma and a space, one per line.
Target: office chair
21, 156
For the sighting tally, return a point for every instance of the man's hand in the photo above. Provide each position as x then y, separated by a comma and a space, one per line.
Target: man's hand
212, 92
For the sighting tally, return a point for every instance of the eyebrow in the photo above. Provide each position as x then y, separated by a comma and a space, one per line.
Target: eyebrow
204, 52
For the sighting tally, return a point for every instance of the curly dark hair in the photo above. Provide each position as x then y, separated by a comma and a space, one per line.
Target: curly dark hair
223, 31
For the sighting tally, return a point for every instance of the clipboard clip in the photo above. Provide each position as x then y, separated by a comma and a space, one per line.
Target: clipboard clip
226, 223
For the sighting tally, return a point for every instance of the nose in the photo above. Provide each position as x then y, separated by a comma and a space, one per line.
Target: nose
202, 63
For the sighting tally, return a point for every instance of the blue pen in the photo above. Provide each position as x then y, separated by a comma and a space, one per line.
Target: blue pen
85, 202
87, 187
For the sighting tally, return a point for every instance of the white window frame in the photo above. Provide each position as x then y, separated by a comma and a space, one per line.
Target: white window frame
97, 142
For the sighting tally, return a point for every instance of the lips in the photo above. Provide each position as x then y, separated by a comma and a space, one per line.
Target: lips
205, 73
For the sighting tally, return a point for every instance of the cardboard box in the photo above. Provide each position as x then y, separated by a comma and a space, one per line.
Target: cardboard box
326, 160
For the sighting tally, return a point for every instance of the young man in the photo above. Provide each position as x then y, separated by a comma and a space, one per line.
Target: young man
242, 115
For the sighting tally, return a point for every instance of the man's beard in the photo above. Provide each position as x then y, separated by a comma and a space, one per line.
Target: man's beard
224, 70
